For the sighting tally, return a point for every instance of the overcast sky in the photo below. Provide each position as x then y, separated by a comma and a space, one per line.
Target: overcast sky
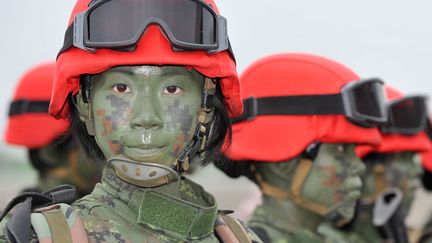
390, 39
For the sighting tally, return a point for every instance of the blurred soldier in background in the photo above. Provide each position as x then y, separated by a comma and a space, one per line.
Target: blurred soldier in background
55, 156
419, 219
393, 164
303, 117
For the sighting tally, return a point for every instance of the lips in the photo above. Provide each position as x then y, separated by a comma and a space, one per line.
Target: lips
144, 153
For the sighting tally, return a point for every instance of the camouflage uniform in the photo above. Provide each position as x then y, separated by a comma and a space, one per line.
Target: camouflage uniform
280, 228
149, 215
361, 228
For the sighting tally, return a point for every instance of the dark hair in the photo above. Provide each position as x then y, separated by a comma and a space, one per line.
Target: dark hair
59, 146
216, 145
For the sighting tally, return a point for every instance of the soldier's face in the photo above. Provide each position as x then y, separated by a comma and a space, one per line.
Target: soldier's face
334, 179
145, 113
400, 170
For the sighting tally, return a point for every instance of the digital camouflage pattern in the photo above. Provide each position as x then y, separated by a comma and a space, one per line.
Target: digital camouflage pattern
334, 179
400, 170
120, 212
145, 113
117, 211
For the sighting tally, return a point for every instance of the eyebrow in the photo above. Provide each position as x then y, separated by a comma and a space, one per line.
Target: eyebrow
171, 72
135, 71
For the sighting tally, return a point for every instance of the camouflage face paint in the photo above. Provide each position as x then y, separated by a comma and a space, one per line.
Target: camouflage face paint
399, 170
334, 179
146, 113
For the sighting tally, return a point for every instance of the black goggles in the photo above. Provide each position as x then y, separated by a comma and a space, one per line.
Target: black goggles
118, 24
362, 102
407, 115
24, 106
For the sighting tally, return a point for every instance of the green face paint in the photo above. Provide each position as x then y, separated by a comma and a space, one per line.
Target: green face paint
334, 179
145, 113
399, 170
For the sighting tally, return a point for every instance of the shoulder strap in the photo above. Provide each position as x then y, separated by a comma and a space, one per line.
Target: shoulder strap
230, 230
59, 223
18, 229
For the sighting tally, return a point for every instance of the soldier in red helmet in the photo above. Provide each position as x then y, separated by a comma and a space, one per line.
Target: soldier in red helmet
148, 85
419, 219
392, 168
54, 156
304, 115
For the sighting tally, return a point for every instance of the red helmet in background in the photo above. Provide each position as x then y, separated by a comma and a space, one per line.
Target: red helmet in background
281, 137
29, 123
394, 143
153, 48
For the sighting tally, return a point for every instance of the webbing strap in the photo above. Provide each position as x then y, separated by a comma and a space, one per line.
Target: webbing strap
300, 174
330, 104
238, 230
58, 225
380, 181
224, 232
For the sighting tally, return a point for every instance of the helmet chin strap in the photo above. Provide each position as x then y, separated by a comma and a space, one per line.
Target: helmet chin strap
154, 175
295, 194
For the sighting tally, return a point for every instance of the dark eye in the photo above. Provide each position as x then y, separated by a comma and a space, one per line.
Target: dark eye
173, 89
121, 88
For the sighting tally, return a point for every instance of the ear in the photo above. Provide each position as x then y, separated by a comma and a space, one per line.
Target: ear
85, 113
82, 107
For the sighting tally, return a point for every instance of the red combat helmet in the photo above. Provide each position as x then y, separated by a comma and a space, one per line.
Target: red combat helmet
153, 48
394, 142
29, 123
278, 138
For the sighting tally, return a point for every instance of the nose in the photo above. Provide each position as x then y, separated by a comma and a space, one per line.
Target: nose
146, 114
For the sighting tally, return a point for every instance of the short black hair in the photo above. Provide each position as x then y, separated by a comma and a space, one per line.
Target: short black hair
218, 143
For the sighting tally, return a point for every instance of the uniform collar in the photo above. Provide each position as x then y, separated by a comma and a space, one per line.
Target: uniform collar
182, 210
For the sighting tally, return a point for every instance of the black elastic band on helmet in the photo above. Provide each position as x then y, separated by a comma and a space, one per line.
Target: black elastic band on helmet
68, 40
19, 107
331, 104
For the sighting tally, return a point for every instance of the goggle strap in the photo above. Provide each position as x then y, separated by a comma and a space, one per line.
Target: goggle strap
199, 139
331, 104
23, 106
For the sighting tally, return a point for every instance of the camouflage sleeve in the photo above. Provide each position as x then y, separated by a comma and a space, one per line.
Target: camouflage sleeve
252, 235
332, 234
2, 228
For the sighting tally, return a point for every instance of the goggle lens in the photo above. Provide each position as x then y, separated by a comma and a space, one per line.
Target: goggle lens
369, 99
409, 113
121, 21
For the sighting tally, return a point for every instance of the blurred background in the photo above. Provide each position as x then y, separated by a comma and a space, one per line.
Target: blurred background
387, 39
